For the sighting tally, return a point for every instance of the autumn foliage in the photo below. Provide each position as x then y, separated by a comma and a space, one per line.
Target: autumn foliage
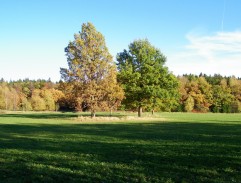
91, 75
139, 80
27, 95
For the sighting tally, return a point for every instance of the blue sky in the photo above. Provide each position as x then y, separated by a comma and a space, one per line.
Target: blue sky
195, 35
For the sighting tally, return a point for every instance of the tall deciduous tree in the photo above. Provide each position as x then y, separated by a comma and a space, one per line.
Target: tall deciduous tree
90, 67
145, 79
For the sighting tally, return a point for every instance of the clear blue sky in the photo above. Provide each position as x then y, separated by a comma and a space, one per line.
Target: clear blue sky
196, 36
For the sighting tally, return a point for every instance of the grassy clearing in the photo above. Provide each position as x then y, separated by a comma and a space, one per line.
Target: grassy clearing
45, 147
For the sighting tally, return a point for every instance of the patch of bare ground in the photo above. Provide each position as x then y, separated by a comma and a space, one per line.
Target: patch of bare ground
113, 118
2, 112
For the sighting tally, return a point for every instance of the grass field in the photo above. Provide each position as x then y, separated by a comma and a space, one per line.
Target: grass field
177, 147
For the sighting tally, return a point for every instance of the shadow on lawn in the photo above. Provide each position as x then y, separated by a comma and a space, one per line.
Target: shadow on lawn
41, 115
140, 152
62, 115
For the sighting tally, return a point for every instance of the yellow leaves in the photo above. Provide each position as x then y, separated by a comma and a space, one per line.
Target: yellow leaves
56, 94
92, 70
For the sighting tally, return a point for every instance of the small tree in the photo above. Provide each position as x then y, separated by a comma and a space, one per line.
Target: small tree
189, 104
25, 105
38, 103
2, 98
46, 94
57, 96
90, 67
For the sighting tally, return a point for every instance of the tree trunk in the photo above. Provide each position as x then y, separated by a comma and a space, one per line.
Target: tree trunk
139, 111
92, 114
111, 112
152, 112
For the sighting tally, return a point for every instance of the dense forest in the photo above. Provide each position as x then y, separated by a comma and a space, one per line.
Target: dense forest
210, 93
28, 95
203, 93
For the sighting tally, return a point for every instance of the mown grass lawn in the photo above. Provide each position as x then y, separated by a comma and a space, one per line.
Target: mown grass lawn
177, 148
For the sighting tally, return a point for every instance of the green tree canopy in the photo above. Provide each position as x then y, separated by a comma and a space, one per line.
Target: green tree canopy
145, 79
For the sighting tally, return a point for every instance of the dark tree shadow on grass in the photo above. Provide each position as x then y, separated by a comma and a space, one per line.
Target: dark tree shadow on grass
41, 115
134, 152
62, 115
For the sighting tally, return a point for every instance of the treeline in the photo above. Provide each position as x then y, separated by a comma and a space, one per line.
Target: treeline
28, 95
45, 95
201, 93
205, 93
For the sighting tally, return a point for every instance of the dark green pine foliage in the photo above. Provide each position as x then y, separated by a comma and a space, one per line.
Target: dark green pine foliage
146, 81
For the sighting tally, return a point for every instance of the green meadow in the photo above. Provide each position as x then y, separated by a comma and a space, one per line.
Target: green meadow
169, 147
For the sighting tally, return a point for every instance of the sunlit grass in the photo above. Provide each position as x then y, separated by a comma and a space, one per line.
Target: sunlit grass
181, 147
